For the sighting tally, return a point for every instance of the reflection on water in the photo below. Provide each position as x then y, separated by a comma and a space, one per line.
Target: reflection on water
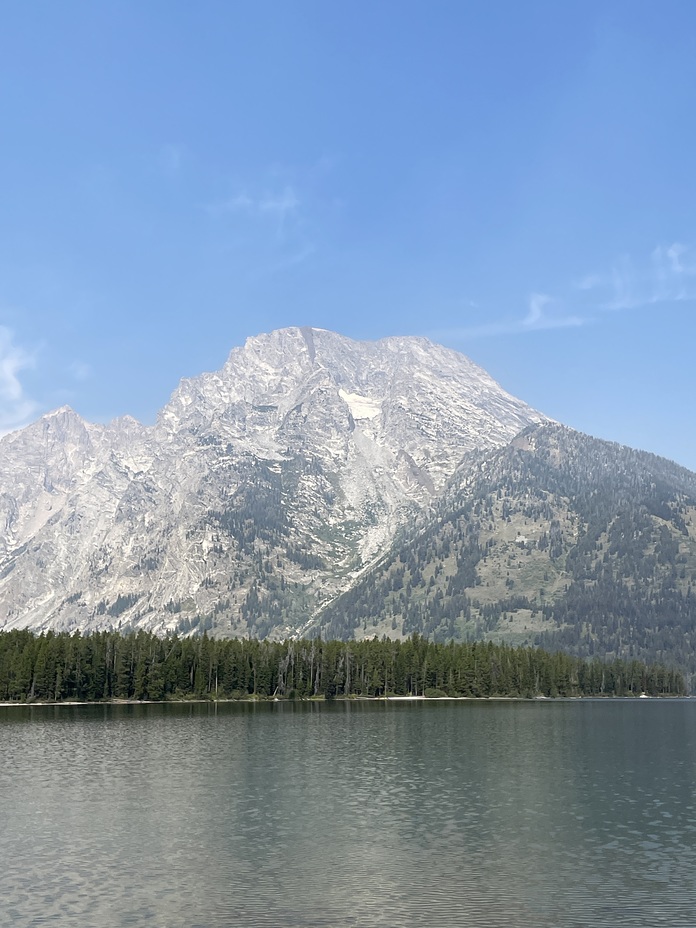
547, 815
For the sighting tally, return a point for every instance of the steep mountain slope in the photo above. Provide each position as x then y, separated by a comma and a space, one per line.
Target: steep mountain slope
262, 490
559, 539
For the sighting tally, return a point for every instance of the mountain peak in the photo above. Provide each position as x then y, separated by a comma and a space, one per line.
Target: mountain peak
61, 411
262, 489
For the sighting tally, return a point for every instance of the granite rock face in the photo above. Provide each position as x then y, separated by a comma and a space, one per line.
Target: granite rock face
262, 491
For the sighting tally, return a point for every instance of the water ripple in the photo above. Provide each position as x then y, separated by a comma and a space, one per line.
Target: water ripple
553, 815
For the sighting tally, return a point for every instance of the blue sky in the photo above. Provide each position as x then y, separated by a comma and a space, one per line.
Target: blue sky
515, 180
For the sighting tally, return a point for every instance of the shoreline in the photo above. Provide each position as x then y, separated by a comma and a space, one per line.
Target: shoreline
315, 699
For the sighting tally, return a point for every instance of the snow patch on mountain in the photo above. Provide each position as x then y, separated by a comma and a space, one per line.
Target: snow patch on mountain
260, 492
361, 407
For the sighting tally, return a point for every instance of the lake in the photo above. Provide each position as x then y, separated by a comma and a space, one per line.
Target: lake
308, 815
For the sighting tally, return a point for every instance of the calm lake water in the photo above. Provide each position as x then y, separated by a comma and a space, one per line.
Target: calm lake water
325, 816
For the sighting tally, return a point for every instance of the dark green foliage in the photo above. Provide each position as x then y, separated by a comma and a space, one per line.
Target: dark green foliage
142, 666
122, 603
255, 543
255, 512
610, 532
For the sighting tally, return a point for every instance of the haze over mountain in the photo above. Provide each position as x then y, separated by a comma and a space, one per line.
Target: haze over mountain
261, 492
357, 488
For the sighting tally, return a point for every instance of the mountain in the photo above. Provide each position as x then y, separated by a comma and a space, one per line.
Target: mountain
557, 539
261, 493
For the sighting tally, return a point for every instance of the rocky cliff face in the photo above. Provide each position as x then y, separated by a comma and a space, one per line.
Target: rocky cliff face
261, 492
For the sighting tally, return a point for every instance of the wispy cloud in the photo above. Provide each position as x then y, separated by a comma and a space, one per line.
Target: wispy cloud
588, 282
543, 313
277, 206
240, 202
281, 204
556, 318
16, 408
269, 223
667, 276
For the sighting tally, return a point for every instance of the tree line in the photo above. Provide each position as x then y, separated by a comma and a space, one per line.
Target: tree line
141, 665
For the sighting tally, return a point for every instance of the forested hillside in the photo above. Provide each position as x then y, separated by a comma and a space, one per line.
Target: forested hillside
559, 540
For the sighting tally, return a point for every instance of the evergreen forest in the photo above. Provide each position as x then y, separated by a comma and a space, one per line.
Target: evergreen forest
560, 541
142, 666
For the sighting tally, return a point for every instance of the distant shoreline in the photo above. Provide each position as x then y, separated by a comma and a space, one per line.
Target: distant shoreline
315, 699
